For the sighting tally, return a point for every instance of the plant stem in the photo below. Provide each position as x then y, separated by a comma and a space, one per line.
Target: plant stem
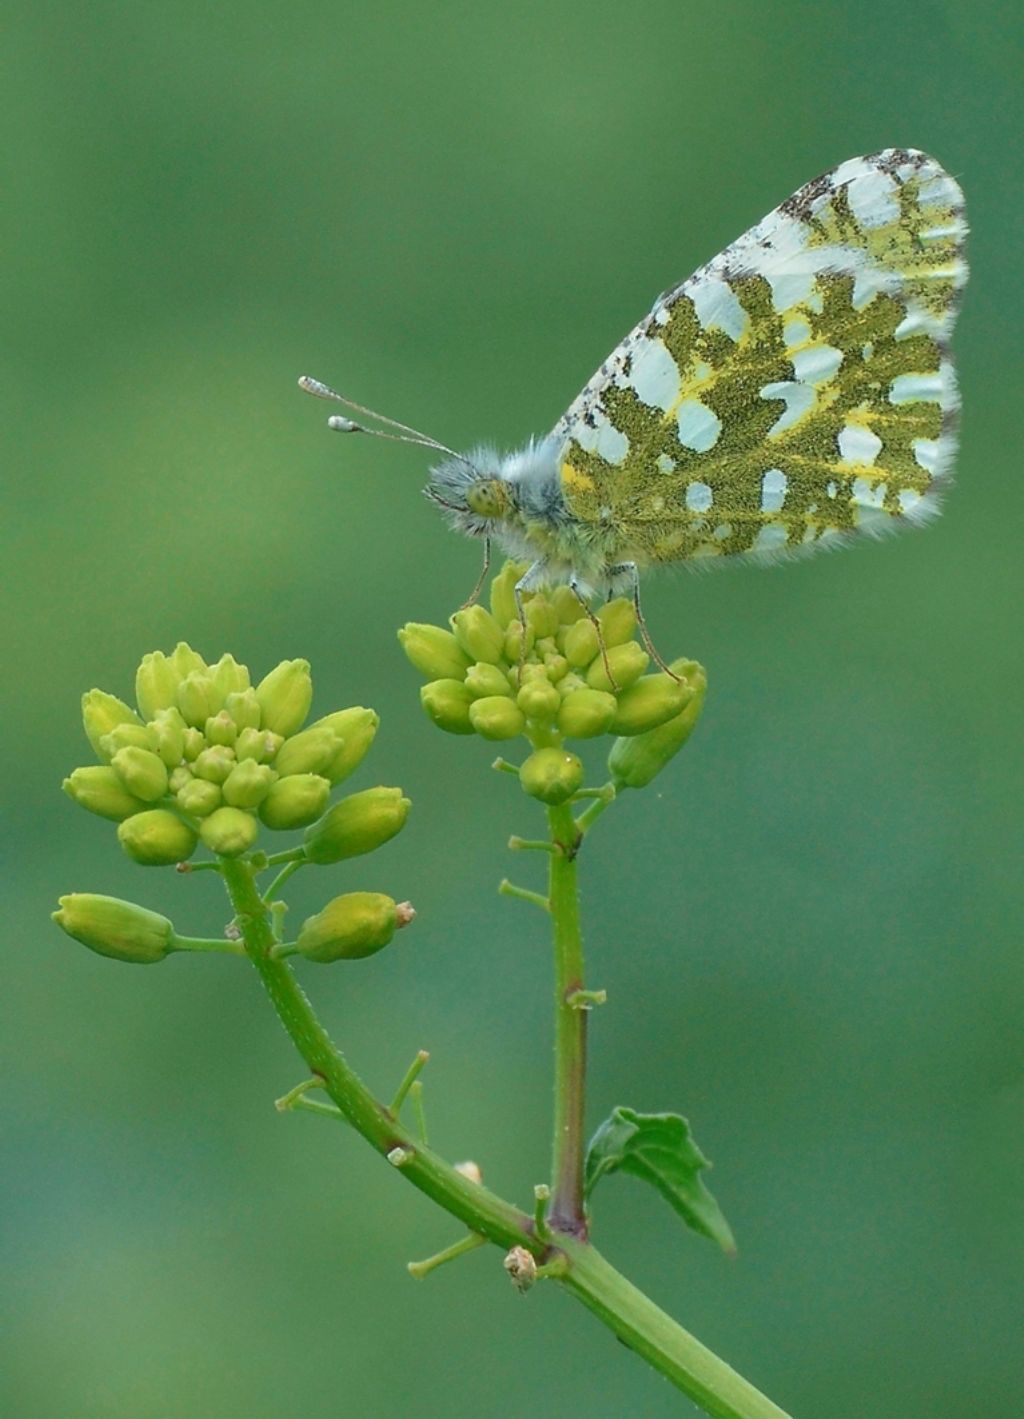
635, 1319
566, 1212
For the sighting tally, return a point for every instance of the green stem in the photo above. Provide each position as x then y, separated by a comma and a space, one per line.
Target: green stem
566, 1213
634, 1318
212, 943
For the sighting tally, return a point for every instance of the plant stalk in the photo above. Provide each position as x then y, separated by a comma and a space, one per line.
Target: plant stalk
566, 1213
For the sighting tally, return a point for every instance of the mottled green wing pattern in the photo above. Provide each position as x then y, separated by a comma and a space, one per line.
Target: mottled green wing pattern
795, 389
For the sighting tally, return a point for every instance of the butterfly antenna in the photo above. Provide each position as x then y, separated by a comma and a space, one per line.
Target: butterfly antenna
342, 425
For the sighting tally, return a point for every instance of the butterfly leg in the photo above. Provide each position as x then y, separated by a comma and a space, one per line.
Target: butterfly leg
474, 595
574, 587
629, 571
529, 581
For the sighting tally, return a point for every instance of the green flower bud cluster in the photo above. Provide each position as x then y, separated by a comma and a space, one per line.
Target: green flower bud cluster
208, 756
562, 675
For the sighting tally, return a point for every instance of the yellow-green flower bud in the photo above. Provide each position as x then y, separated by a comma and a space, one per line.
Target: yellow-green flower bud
179, 776
433, 651
634, 762
185, 660
478, 634
169, 733
101, 713
539, 700
99, 789
220, 728
156, 684
586, 713
497, 717
483, 679
248, 784
229, 678
556, 666
196, 698
651, 701
627, 663
552, 775
568, 606
580, 643
198, 797
309, 752
356, 728
294, 801
285, 696
114, 928
229, 831
358, 824
244, 709
252, 744
142, 773
514, 642
541, 617
447, 703
570, 683
215, 763
503, 593
618, 621
353, 926
156, 838
140, 736
193, 745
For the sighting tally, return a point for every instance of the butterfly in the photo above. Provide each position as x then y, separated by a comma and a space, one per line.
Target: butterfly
792, 393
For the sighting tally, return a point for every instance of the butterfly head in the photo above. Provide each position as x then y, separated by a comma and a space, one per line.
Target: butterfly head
472, 492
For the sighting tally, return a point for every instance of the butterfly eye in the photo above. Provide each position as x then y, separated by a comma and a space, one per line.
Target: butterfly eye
488, 498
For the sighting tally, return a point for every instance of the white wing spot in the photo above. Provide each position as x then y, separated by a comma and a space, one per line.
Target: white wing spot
699, 426
926, 454
796, 332
722, 531
817, 364
653, 375
869, 495
666, 464
831, 488
790, 288
858, 444
774, 485
908, 499
873, 200
699, 497
868, 349
799, 399
718, 307
915, 388
770, 538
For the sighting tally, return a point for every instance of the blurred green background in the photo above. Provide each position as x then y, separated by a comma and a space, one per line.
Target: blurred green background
810, 938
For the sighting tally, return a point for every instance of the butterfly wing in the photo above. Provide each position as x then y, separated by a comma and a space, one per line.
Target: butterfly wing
795, 389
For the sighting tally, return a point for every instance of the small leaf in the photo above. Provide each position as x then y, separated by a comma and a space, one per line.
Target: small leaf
659, 1148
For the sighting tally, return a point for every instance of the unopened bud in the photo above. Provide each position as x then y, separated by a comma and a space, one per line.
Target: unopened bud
285, 696
541, 617
539, 701
248, 784
626, 662
586, 713
143, 773
356, 728
358, 824
124, 736
198, 797
352, 926
229, 678
193, 744
244, 709
434, 652
111, 927
196, 698
168, 728
580, 643
156, 684
514, 633
521, 1268
185, 661
634, 762
618, 621
156, 838
307, 753
497, 717
503, 593
179, 777
651, 701
447, 703
483, 679
100, 790
220, 728
252, 744
294, 801
229, 831
101, 713
478, 634
214, 763
469, 1170
552, 775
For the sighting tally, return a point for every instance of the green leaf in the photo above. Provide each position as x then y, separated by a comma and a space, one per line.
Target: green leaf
659, 1148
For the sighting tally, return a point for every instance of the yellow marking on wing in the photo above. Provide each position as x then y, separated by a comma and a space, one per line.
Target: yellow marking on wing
574, 480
